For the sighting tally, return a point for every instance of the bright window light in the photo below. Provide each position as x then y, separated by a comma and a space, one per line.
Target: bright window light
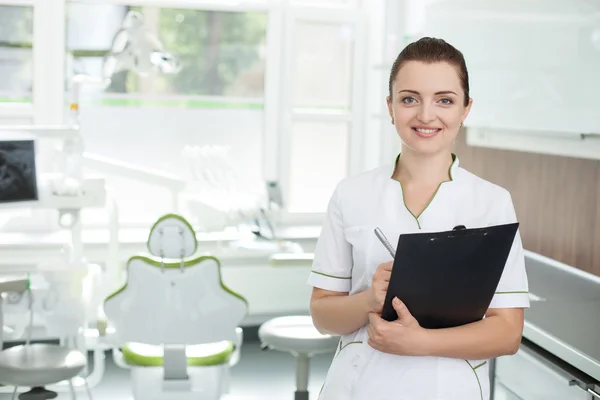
222, 53
16, 61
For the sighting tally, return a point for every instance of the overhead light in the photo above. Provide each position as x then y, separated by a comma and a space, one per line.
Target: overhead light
136, 49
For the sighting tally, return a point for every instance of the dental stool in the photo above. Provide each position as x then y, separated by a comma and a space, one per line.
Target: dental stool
176, 321
38, 365
298, 336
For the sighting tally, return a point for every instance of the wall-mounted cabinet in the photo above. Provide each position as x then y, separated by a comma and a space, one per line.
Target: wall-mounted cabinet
534, 68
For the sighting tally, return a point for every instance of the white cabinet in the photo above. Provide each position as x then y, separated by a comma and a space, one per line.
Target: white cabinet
270, 291
533, 65
528, 376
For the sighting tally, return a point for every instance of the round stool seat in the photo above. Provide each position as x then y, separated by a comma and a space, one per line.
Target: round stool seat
39, 365
296, 334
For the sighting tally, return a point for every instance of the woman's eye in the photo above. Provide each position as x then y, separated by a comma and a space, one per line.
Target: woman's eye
408, 100
446, 101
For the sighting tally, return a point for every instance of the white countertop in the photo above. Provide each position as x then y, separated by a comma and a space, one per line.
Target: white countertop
566, 322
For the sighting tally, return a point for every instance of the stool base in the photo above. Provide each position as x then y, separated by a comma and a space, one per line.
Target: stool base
300, 395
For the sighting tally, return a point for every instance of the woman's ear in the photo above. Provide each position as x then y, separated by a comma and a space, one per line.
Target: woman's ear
390, 109
467, 109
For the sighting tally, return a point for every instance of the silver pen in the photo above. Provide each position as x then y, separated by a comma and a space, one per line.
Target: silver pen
385, 242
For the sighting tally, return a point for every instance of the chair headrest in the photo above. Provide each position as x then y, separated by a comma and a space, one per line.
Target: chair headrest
172, 236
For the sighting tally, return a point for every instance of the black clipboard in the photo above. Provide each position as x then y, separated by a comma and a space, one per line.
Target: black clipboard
448, 279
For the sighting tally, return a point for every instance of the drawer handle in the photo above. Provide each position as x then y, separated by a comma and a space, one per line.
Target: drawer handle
574, 382
593, 393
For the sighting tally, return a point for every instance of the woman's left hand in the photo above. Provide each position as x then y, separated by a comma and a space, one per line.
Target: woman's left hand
401, 337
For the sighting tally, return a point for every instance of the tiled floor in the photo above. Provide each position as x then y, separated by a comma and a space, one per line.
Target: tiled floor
259, 375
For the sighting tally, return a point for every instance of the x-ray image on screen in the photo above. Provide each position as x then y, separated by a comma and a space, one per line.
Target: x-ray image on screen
18, 181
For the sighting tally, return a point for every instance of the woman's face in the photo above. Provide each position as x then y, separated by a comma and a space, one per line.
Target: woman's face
427, 106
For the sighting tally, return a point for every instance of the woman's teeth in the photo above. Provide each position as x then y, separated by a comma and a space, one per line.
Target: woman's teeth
426, 130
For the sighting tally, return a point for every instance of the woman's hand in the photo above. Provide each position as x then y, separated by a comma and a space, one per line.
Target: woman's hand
379, 286
401, 337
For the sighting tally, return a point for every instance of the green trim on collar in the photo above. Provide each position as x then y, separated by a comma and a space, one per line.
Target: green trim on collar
452, 167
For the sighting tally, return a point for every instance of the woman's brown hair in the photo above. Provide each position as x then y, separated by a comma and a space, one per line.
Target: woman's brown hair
432, 50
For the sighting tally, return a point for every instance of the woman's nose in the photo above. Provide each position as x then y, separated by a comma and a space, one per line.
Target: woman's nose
426, 114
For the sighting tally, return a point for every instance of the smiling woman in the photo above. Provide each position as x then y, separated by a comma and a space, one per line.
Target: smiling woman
424, 190
442, 102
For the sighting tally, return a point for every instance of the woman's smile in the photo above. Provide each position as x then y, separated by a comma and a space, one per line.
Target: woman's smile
426, 132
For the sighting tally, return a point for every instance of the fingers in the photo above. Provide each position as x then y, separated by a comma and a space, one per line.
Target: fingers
373, 329
380, 283
375, 345
384, 271
400, 307
374, 321
372, 318
382, 274
404, 315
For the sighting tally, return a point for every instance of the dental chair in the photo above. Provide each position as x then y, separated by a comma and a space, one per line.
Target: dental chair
175, 320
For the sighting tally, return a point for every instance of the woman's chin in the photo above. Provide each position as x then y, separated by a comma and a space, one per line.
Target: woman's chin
425, 146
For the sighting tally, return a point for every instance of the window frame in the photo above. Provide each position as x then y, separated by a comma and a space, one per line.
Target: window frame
212, 5
290, 114
18, 2
47, 96
18, 109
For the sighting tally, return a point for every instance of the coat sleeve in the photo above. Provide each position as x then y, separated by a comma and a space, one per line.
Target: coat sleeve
513, 288
332, 263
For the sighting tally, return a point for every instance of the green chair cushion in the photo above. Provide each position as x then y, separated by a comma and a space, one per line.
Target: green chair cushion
139, 354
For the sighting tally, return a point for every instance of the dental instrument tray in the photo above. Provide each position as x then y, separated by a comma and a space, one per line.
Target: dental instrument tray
448, 279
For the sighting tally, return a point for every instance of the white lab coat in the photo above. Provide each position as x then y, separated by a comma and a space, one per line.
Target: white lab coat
348, 253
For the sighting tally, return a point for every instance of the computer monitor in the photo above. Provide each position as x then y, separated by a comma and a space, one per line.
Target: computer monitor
18, 175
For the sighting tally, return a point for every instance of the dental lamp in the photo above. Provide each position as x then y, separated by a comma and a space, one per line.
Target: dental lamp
136, 49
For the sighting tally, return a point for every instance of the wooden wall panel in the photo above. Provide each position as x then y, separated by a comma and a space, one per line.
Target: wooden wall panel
557, 200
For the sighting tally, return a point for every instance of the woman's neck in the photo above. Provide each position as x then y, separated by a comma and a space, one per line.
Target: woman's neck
423, 169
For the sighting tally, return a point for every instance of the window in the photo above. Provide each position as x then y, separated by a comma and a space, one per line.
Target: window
320, 135
147, 119
326, 3
319, 160
16, 38
279, 83
323, 65
221, 53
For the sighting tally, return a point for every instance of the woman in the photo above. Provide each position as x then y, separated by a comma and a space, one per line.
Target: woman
424, 190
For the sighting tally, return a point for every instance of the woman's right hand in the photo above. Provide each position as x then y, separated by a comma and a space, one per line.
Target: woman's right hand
379, 286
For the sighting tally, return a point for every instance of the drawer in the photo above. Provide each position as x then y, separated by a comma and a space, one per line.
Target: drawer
533, 374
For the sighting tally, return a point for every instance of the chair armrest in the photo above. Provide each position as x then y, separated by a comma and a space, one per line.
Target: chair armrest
118, 358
